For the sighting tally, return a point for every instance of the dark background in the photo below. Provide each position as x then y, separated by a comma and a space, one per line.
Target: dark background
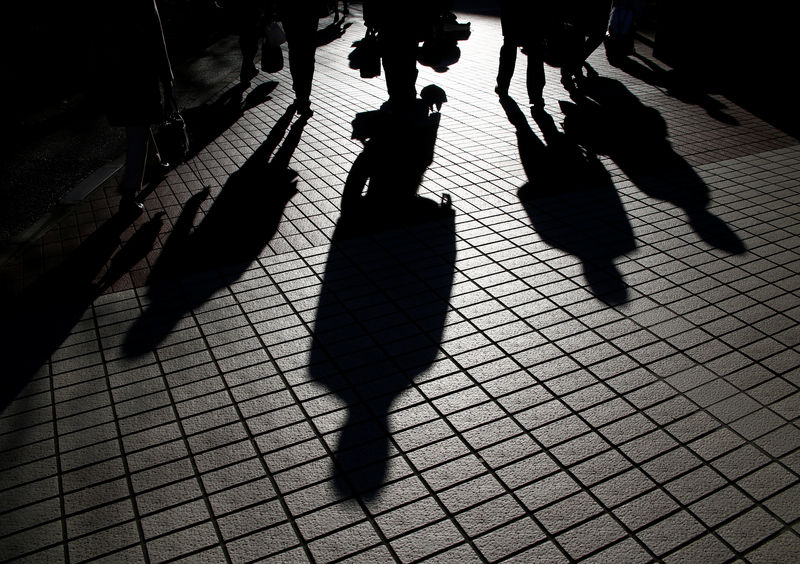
51, 119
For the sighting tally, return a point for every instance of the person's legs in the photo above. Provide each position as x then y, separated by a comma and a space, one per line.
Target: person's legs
400, 66
248, 44
301, 30
248, 15
535, 74
505, 70
137, 139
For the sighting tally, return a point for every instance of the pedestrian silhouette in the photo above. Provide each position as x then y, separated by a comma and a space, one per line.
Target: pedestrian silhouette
344, 12
399, 39
134, 67
588, 20
300, 20
248, 20
522, 28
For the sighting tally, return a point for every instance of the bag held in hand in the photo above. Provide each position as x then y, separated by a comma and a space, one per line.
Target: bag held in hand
274, 35
369, 48
173, 138
271, 58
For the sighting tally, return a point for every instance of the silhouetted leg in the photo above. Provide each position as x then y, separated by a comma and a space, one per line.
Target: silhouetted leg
508, 60
247, 13
400, 66
248, 43
137, 138
301, 29
535, 75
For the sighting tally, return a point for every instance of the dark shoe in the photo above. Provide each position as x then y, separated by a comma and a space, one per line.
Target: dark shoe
247, 74
156, 173
501, 91
303, 108
129, 204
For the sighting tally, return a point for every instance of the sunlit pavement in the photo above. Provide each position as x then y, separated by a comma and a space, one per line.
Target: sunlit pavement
602, 366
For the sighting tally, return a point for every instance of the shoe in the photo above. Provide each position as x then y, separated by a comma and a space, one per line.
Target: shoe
156, 173
129, 204
537, 104
501, 91
247, 74
303, 108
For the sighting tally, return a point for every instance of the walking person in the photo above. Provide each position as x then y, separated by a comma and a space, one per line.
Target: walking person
590, 20
524, 28
300, 23
399, 38
300, 19
248, 17
134, 68
345, 11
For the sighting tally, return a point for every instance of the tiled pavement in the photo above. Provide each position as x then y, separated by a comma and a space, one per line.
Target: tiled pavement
486, 386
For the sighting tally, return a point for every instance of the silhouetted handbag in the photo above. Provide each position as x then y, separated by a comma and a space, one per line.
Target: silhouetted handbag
271, 59
271, 52
274, 35
619, 34
563, 45
173, 138
370, 54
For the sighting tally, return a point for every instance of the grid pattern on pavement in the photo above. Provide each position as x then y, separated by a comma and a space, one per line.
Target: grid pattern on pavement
478, 388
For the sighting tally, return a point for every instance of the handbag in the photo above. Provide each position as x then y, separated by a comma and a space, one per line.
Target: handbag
563, 45
173, 137
271, 52
619, 34
271, 58
370, 54
274, 35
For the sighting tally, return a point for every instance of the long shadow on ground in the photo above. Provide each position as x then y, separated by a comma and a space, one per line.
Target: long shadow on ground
41, 319
196, 263
572, 203
385, 292
608, 119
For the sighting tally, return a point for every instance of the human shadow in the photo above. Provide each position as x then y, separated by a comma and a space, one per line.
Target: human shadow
38, 322
385, 292
332, 32
675, 84
206, 122
610, 120
381, 188
196, 263
572, 202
